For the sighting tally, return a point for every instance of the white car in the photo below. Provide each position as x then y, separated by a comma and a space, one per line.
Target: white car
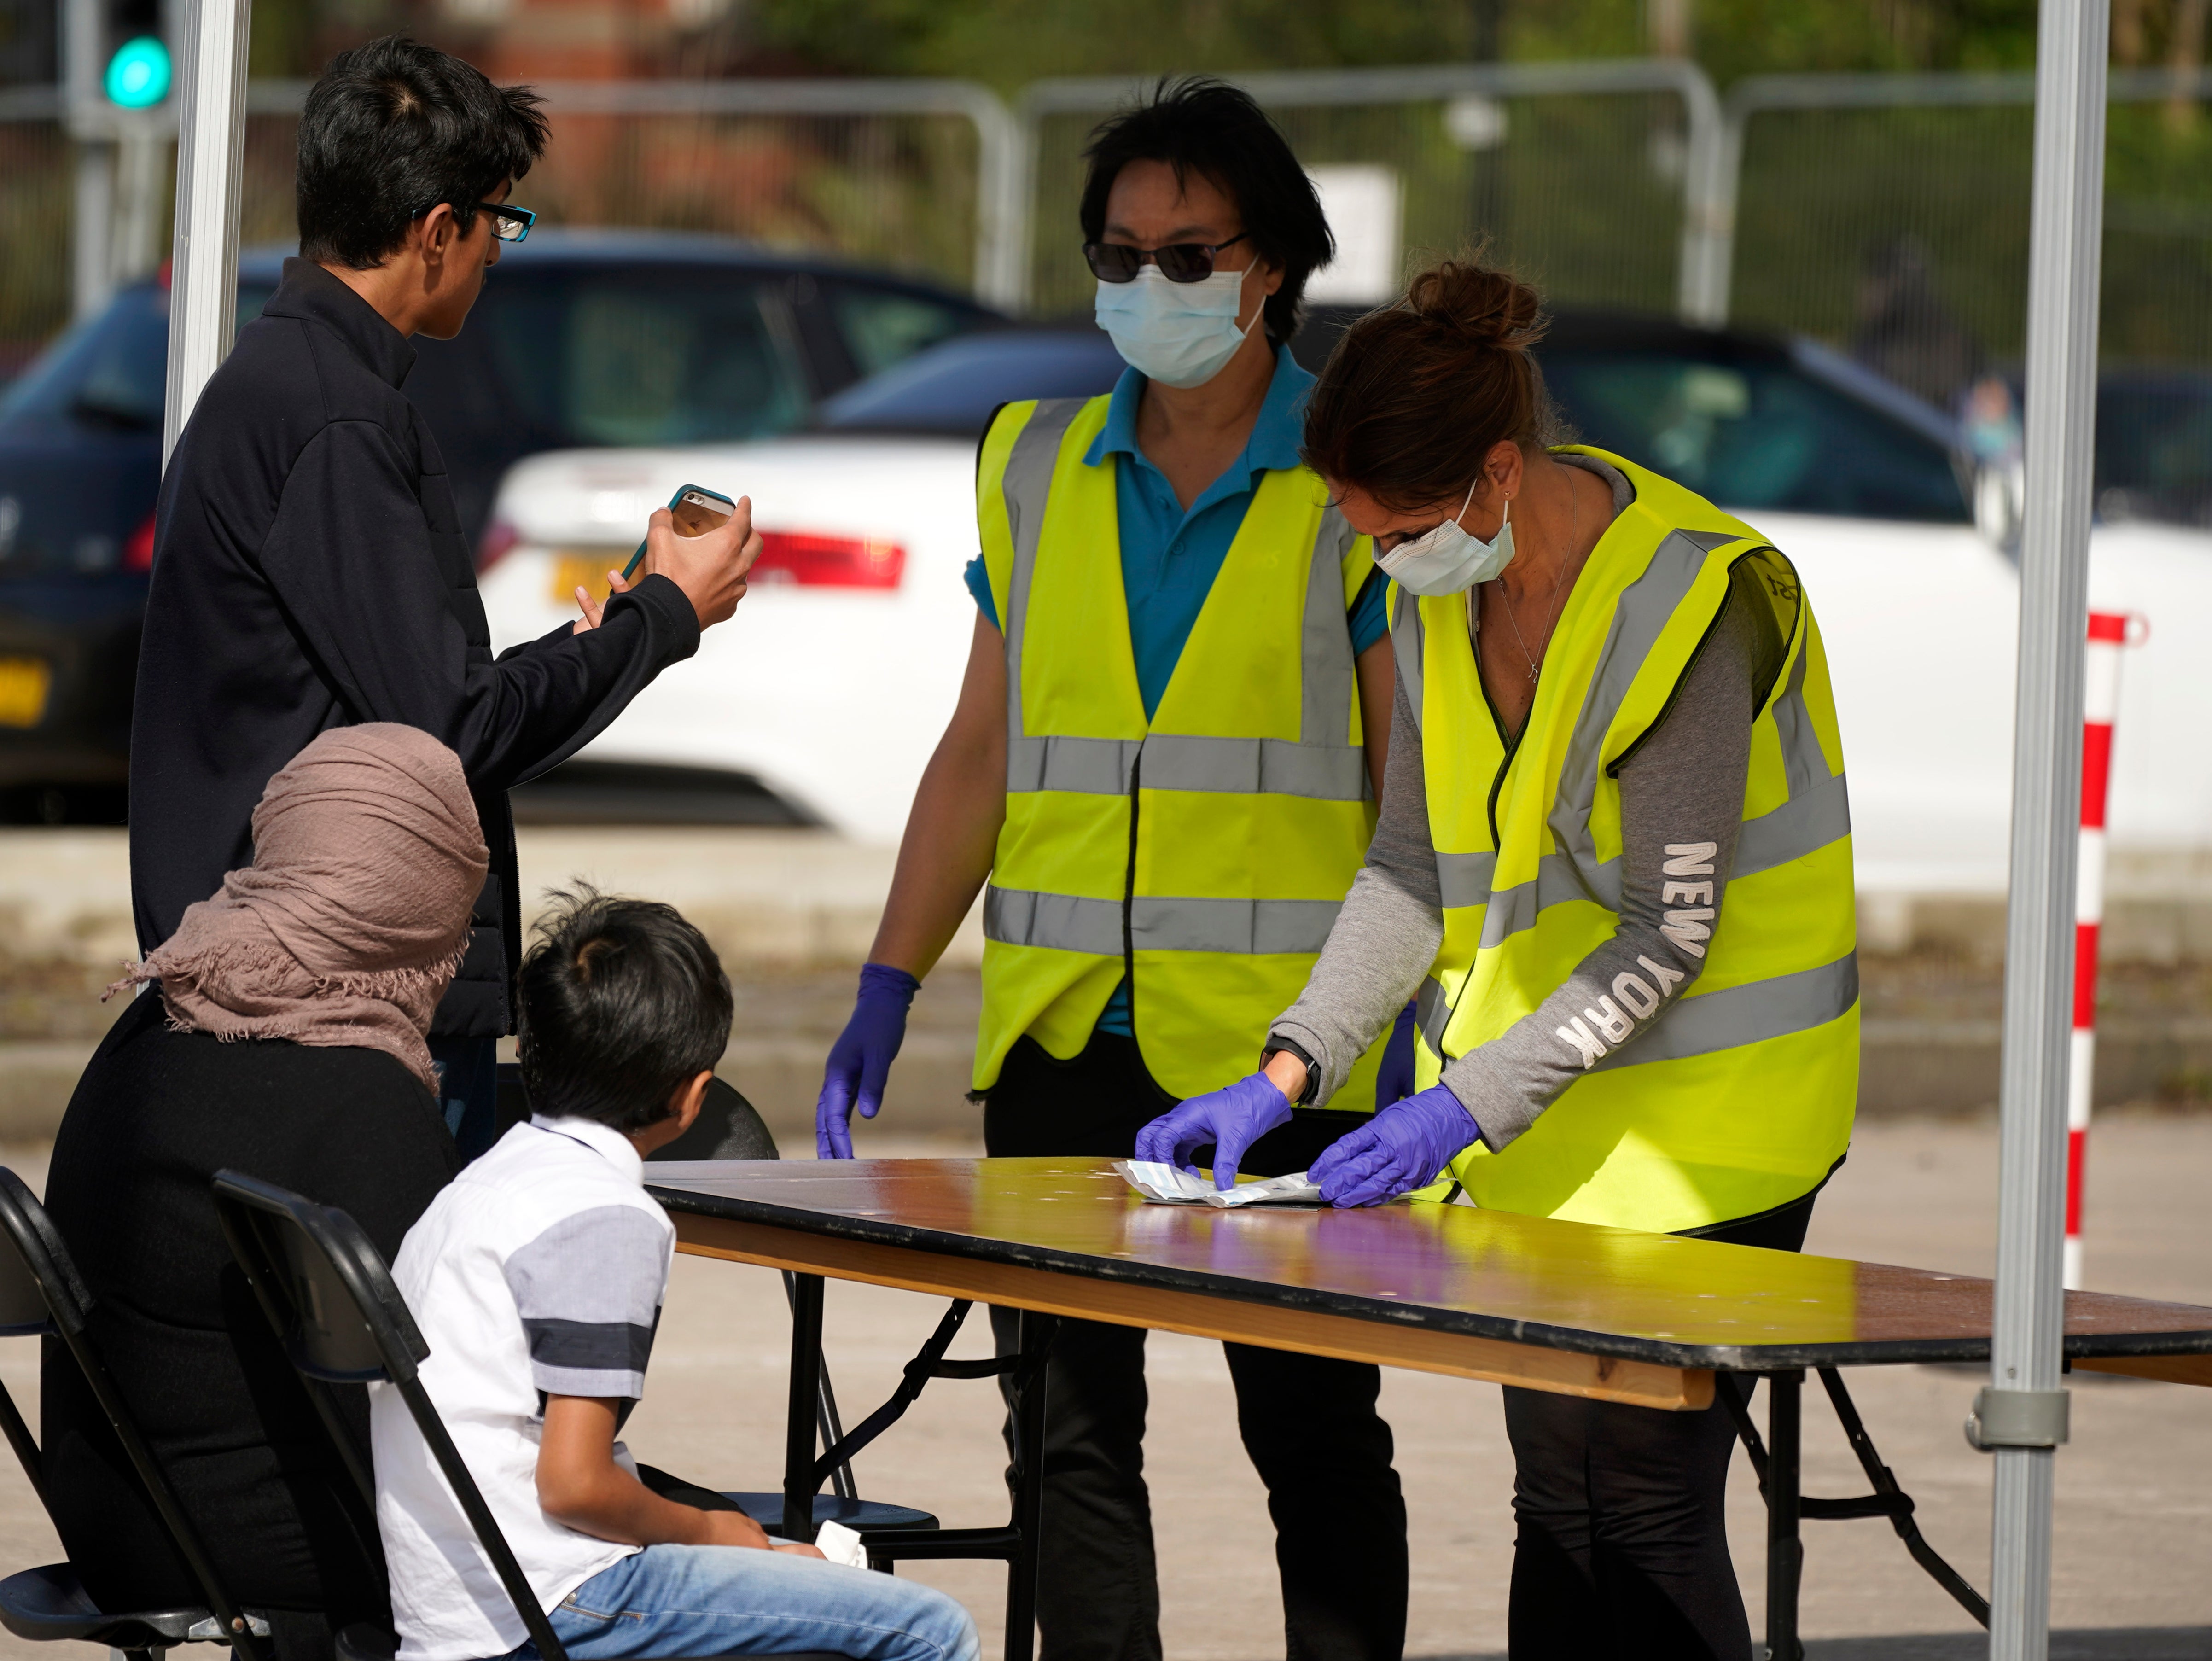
834, 682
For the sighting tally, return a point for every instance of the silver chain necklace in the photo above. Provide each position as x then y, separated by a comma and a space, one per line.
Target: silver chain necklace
1574, 535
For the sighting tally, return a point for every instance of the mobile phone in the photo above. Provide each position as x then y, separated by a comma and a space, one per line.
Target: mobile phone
696, 510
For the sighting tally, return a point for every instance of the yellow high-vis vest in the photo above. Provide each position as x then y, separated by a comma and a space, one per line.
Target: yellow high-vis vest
1739, 1098
1203, 853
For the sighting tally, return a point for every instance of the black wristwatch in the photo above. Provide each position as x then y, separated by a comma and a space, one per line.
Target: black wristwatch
1285, 1047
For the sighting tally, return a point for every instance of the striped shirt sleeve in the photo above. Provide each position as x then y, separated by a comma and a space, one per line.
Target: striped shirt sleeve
589, 1290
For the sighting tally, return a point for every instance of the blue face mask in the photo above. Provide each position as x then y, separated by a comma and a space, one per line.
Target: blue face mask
1446, 560
1179, 334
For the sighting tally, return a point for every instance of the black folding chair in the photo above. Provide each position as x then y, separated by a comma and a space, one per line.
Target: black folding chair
823, 1451
330, 1299
730, 1128
43, 1296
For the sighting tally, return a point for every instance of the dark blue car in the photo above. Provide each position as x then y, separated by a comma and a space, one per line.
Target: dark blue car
579, 340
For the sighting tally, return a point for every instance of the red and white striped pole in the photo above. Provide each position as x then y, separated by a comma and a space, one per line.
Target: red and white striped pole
2109, 634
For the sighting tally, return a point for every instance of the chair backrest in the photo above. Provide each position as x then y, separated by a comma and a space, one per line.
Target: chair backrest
23, 1309
36, 1265
728, 1128
331, 1299
321, 1282
40, 1290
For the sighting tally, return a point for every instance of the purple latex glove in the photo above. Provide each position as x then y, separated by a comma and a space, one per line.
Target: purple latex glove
1401, 1147
1393, 1079
1233, 1119
862, 1058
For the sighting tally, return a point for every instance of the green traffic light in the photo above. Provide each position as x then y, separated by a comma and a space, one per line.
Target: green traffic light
138, 74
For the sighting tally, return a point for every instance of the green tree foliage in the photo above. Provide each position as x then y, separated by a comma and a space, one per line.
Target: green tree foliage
1007, 42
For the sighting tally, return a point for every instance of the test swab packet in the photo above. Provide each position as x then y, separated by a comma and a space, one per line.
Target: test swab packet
1167, 1184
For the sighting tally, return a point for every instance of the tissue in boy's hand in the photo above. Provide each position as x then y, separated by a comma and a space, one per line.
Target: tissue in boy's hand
840, 1545
1172, 1185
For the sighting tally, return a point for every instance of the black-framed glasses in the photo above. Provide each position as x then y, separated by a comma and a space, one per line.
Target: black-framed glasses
1179, 262
508, 224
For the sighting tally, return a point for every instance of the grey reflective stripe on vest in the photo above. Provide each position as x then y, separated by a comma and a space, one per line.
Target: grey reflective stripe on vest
1065, 923
1328, 674
1640, 617
1804, 824
1407, 641
1801, 826
1464, 879
1328, 772
1431, 1013
1097, 767
1558, 880
1321, 764
1172, 924
1026, 486
1803, 765
1021, 916
1747, 1014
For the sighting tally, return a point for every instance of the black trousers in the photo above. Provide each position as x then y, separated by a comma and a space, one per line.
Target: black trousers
155, 1115
1621, 1544
1308, 1423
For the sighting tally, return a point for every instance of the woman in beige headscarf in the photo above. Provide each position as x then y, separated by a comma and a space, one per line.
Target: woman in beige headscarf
280, 1032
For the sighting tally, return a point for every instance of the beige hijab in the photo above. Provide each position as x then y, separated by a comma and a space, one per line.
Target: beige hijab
352, 920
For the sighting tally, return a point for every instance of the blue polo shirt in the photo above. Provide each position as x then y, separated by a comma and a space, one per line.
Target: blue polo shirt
1169, 557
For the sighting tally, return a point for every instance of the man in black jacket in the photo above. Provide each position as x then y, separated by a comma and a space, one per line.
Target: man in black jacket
309, 567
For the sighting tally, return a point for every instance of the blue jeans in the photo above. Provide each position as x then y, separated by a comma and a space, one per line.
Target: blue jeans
730, 1600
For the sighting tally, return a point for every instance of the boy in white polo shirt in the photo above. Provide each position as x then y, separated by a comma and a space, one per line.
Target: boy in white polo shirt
537, 1278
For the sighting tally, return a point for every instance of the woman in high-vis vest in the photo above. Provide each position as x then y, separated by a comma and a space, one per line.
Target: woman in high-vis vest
1164, 761
1613, 865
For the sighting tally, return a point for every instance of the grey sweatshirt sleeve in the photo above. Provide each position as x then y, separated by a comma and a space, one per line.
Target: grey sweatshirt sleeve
1387, 934
1681, 804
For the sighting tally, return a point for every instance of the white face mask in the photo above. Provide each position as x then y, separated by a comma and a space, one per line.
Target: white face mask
1179, 334
1445, 559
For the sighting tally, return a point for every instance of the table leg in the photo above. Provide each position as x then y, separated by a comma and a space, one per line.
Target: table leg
1785, 1551
1034, 1336
799, 1427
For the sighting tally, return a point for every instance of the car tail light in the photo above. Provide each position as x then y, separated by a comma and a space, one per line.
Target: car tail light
820, 561
138, 552
497, 541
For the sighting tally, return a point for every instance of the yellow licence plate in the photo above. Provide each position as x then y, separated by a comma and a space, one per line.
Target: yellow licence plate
572, 570
24, 683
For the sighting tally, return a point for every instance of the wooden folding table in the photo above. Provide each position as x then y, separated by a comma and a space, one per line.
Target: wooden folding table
1656, 1320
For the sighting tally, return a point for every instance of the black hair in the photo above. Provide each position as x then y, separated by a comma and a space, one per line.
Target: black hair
620, 1003
1199, 124
392, 130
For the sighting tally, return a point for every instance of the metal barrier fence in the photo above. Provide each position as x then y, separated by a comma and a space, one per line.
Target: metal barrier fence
1578, 171
1832, 197
1627, 183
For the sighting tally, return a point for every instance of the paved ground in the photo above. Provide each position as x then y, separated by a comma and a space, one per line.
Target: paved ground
2134, 1488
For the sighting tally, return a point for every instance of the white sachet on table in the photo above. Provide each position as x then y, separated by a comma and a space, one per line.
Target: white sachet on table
1169, 1184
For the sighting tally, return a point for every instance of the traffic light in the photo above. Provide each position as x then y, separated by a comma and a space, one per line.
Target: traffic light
137, 73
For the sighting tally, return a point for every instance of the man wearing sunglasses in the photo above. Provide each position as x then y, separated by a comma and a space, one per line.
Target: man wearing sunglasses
1164, 761
309, 567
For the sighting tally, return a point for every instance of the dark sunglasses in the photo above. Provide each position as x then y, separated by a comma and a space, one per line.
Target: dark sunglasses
508, 224
1179, 262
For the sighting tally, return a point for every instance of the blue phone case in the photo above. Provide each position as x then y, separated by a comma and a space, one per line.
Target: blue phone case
638, 558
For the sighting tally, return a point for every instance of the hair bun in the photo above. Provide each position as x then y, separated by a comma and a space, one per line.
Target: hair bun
1485, 306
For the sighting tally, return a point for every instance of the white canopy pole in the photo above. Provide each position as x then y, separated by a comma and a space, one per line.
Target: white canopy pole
210, 160
2021, 1416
